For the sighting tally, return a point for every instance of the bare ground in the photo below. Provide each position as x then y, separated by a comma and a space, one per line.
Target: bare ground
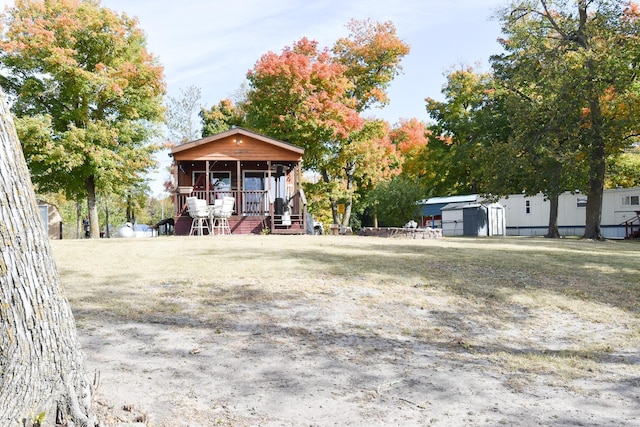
351, 331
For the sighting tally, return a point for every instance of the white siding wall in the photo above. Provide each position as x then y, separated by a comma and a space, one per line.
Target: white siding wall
569, 213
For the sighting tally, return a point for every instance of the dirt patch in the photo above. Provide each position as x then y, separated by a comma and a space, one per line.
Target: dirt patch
322, 345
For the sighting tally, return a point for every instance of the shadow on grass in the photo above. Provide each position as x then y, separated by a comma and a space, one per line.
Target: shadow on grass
304, 352
485, 269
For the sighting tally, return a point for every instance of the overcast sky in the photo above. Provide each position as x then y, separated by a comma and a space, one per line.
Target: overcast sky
212, 44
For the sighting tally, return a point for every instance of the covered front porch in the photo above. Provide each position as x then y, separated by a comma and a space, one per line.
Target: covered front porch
263, 175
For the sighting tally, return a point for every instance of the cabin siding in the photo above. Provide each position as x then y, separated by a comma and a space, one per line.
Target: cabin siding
249, 150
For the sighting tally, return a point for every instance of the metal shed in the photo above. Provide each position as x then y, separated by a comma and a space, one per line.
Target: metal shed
431, 208
473, 219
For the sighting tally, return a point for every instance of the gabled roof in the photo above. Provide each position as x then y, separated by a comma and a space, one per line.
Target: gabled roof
237, 131
449, 199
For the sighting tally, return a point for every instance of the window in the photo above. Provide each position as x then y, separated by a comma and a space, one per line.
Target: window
630, 200
581, 202
527, 206
221, 180
217, 180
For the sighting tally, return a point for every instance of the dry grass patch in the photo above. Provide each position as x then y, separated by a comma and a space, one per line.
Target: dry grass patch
530, 309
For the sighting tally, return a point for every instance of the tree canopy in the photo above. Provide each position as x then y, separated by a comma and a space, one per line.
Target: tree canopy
313, 97
85, 94
558, 103
578, 64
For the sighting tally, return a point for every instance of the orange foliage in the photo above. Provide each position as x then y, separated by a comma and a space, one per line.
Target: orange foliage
410, 135
379, 157
307, 83
632, 11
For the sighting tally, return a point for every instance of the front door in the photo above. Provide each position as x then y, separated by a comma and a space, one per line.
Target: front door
254, 201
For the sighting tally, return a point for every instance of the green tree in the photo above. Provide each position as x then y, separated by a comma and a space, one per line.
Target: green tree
393, 202
221, 117
624, 170
86, 94
466, 125
586, 54
541, 154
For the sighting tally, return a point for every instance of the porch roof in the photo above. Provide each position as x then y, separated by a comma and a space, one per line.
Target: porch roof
237, 144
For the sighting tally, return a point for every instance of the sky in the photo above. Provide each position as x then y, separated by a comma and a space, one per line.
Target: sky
211, 44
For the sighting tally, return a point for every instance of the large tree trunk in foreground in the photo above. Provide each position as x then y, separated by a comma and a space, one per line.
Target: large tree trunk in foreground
41, 365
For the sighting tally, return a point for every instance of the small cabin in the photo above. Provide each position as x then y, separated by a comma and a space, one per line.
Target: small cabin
263, 174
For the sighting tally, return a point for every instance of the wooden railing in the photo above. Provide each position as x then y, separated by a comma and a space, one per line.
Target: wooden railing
253, 202
294, 217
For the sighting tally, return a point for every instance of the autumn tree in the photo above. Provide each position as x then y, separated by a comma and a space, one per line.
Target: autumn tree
411, 138
86, 94
42, 375
592, 46
391, 198
371, 55
313, 97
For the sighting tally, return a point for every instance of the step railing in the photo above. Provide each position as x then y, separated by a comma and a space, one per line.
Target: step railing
630, 230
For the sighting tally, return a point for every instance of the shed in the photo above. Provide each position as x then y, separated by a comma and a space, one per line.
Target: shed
51, 219
431, 208
473, 219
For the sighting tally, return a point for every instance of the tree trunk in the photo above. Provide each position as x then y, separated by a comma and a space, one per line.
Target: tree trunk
597, 167
332, 202
41, 364
107, 232
593, 213
350, 170
79, 230
552, 231
130, 208
92, 206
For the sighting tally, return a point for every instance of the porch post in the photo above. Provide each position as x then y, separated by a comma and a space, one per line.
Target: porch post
207, 179
269, 180
176, 177
240, 187
271, 220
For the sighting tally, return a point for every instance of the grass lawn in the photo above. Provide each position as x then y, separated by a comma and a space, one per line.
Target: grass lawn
374, 322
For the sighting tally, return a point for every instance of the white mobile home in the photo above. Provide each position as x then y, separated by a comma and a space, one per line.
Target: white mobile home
529, 216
